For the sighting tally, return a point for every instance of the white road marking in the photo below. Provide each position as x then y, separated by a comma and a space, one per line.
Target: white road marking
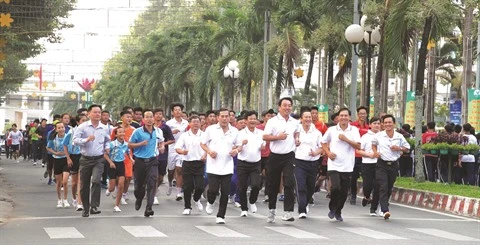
221, 231
143, 231
436, 212
371, 233
63, 232
444, 234
294, 232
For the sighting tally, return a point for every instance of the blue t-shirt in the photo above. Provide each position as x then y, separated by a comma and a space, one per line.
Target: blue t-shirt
68, 142
56, 145
118, 150
142, 134
168, 135
48, 138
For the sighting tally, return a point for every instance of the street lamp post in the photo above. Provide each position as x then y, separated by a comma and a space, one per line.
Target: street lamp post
232, 72
355, 34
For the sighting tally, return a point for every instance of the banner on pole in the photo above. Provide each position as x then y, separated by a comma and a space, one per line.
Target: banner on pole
474, 108
372, 107
410, 109
456, 112
323, 113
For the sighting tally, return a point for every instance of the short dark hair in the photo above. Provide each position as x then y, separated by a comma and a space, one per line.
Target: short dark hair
147, 110
192, 113
388, 116
36, 121
344, 109
285, 98
457, 128
362, 108
448, 128
14, 125
81, 110
173, 105
105, 111
210, 112
314, 108
217, 113
93, 106
157, 110
249, 113
56, 116
138, 108
431, 125
467, 127
424, 129
125, 112
374, 119
193, 117
126, 108
333, 116
304, 109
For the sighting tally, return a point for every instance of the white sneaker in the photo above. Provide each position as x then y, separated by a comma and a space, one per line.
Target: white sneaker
107, 193
59, 204
125, 195
34, 163
307, 208
169, 190
66, 204
179, 196
238, 205
199, 206
74, 202
18, 161
114, 193
302, 216
123, 202
155, 201
43, 164
244, 214
79, 207
231, 199
271, 216
209, 208
287, 216
253, 207
187, 211
116, 209
220, 220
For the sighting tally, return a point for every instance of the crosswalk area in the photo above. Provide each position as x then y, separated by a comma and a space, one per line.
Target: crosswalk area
280, 232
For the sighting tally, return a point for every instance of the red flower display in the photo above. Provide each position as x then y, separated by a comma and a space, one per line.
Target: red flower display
87, 85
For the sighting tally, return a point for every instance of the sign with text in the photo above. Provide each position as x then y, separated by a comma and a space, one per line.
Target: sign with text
323, 113
474, 108
456, 112
372, 107
410, 108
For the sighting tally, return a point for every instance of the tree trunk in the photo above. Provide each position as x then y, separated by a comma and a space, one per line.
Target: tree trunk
306, 89
341, 92
249, 91
431, 87
280, 77
379, 74
467, 60
383, 100
331, 63
422, 58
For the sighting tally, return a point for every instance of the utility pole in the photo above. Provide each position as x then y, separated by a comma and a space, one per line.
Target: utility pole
353, 81
266, 38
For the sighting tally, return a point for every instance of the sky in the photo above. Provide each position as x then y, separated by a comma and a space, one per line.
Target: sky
98, 27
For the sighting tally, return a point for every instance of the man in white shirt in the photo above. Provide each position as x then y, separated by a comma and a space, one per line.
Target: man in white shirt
178, 125
16, 137
248, 165
388, 146
193, 165
282, 132
221, 144
468, 161
339, 144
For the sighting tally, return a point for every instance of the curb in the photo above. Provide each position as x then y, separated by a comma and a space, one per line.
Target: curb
458, 205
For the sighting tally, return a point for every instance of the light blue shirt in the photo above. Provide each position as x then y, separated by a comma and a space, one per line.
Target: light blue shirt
118, 150
68, 142
56, 145
141, 134
92, 148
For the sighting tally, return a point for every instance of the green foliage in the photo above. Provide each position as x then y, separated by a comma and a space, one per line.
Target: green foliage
429, 146
472, 148
456, 147
449, 189
67, 104
442, 146
411, 141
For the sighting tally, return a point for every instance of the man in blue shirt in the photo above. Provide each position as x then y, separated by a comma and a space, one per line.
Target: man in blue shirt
145, 140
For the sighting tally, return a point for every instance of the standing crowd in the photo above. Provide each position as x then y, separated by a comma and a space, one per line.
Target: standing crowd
215, 155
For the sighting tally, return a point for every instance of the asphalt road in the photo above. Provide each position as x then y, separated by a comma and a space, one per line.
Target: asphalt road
36, 220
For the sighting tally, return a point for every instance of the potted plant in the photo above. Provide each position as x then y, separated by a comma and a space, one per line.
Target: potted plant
443, 148
412, 144
455, 149
464, 150
429, 148
472, 149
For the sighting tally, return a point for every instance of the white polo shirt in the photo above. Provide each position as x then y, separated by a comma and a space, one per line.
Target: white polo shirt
469, 157
310, 141
277, 125
345, 160
191, 142
383, 143
181, 126
251, 152
222, 143
366, 145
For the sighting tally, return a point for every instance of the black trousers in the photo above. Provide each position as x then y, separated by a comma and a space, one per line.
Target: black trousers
245, 171
146, 173
216, 183
192, 181
36, 153
338, 190
354, 177
431, 166
386, 174
305, 177
406, 165
277, 165
370, 186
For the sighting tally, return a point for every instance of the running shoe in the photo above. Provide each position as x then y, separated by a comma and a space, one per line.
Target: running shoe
238, 205
66, 204
79, 207
117, 209
271, 216
386, 215
107, 193
281, 198
253, 207
74, 202
244, 214
155, 201
331, 214
123, 202
209, 208
50, 181
187, 211
220, 220
179, 196
302, 216
287, 216
59, 204
169, 190
199, 206
34, 163
338, 217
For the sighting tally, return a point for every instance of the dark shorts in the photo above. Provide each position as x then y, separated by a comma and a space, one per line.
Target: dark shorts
60, 165
15, 147
51, 161
75, 163
263, 161
118, 171
162, 167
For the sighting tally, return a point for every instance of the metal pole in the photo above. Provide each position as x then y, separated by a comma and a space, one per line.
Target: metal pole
217, 97
324, 78
233, 89
369, 72
477, 82
266, 37
319, 83
353, 81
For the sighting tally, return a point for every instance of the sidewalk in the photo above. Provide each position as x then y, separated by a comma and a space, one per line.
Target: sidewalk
6, 202
458, 205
